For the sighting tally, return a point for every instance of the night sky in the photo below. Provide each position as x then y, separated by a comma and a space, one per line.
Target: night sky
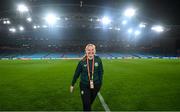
161, 11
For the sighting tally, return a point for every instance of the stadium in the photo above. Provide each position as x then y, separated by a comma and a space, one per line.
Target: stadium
42, 41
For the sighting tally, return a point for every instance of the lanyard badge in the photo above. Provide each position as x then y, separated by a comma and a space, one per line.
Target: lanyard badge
90, 77
91, 84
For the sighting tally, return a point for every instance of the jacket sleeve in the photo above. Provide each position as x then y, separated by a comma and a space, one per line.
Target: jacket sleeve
100, 70
77, 73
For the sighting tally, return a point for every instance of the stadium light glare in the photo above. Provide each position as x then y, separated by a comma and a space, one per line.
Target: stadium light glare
142, 25
13, 30
130, 30
22, 8
91, 19
117, 28
21, 28
66, 18
35, 27
105, 20
130, 12
157, 28
8, 22
51, 19
58, 18
124, 22
97, 19
137, 32
38, 26
44, 26
4, 22
29, 19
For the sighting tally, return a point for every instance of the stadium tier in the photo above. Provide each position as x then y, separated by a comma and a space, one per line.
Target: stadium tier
80, 55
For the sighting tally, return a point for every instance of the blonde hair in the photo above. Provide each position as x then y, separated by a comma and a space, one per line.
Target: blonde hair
92, 45
88, 45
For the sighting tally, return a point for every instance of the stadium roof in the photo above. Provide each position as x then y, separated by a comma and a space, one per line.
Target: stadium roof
87, 14
162, 10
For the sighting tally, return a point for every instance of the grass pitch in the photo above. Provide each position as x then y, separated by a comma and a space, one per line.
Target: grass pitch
134, 84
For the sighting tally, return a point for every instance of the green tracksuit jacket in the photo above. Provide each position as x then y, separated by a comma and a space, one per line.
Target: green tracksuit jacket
82, 71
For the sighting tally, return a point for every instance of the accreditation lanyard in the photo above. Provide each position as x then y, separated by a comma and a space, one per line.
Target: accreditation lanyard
89, 68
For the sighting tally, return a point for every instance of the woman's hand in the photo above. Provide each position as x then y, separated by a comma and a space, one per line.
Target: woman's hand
71, 88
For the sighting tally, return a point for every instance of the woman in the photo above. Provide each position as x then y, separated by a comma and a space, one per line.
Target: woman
90, 70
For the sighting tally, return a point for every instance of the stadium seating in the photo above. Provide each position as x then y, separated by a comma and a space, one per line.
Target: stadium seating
114, 55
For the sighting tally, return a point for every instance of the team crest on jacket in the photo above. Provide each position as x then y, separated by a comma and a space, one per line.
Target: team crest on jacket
82, 92
96, 64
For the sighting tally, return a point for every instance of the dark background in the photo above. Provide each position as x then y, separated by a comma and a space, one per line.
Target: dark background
164, 12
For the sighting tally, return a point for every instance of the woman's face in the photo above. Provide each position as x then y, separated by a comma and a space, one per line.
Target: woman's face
90, 51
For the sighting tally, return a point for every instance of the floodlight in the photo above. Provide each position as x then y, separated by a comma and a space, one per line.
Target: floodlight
13, 30
34, 26
29, 19
105, 20
137, 32
8, 22
129, 12
97, 19
51, 19
44, 26
22, 8
4, 22
142, 25
157, 28
130, 30
21, 28
124, 22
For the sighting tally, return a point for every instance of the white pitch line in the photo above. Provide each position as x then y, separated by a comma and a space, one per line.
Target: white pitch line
106, 108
